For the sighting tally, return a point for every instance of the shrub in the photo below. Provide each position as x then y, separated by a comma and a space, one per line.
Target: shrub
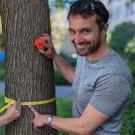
132, 67
121, 36
2, 72
64, 109
59, 79
129, 119
70, 60
2, 131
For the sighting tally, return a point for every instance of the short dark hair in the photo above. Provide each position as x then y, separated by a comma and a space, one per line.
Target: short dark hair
86, 8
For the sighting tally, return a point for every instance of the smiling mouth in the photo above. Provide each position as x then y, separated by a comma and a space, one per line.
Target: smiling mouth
81, 46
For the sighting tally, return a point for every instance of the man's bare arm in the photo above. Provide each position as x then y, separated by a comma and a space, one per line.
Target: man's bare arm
67, 71
86, 124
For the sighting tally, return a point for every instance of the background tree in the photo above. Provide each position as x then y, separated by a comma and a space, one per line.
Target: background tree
29, 75
121, 36
130, 49
59, 4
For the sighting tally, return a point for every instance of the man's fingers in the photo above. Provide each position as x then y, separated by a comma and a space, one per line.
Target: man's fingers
47, 45
43, 52
35, 112
48, 37
44, 34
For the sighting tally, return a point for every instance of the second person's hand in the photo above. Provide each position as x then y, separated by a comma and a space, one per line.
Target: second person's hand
13, 112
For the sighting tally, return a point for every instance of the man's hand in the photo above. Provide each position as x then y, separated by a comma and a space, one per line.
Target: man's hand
67, 71
13, 112
39, 119
50, 51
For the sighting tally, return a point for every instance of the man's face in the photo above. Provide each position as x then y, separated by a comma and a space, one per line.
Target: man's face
84, 34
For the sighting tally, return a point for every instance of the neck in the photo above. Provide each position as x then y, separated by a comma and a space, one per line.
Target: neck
100, 53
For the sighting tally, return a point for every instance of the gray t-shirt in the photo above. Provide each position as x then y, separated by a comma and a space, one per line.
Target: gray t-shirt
105, 84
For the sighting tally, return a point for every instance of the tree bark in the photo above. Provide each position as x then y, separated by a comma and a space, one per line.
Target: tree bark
29, 75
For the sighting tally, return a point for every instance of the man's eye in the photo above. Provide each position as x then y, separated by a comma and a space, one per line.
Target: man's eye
85, 31
71, 32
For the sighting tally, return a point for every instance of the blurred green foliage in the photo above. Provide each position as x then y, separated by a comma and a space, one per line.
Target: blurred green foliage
2, 131
62, 3
130, 49
1, 101
132, 68
121, 36
129, 118
2, 71
70, 60
64, 109
59, 4
59, 79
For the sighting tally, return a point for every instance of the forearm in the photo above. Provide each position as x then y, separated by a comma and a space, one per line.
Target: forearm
3, 120
67, 71
70, 125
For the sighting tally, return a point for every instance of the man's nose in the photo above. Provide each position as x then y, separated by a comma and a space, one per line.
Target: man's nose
78, 38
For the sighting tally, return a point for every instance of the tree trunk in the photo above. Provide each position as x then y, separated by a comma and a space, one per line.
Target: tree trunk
29, 75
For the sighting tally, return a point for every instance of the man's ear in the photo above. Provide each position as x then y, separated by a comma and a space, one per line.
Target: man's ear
105, 27
104, 30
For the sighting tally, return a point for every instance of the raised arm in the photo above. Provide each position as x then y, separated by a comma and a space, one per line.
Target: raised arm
67, 71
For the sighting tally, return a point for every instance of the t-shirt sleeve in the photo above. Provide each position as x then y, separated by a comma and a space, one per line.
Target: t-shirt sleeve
111, 92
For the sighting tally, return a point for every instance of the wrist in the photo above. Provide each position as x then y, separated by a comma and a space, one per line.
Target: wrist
6, 119
49, 120
55, 56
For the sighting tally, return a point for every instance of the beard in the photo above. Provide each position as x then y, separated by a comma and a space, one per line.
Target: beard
86, 48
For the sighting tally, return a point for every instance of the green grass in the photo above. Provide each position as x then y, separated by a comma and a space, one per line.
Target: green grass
1, 104
64, 109
2, 72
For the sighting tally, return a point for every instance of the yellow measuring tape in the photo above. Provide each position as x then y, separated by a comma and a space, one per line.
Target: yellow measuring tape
11, 101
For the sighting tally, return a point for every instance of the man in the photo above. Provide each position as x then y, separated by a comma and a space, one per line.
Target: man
101, 80
12, 113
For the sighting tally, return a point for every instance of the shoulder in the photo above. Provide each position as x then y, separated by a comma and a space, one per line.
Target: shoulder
115, 66
111, 91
